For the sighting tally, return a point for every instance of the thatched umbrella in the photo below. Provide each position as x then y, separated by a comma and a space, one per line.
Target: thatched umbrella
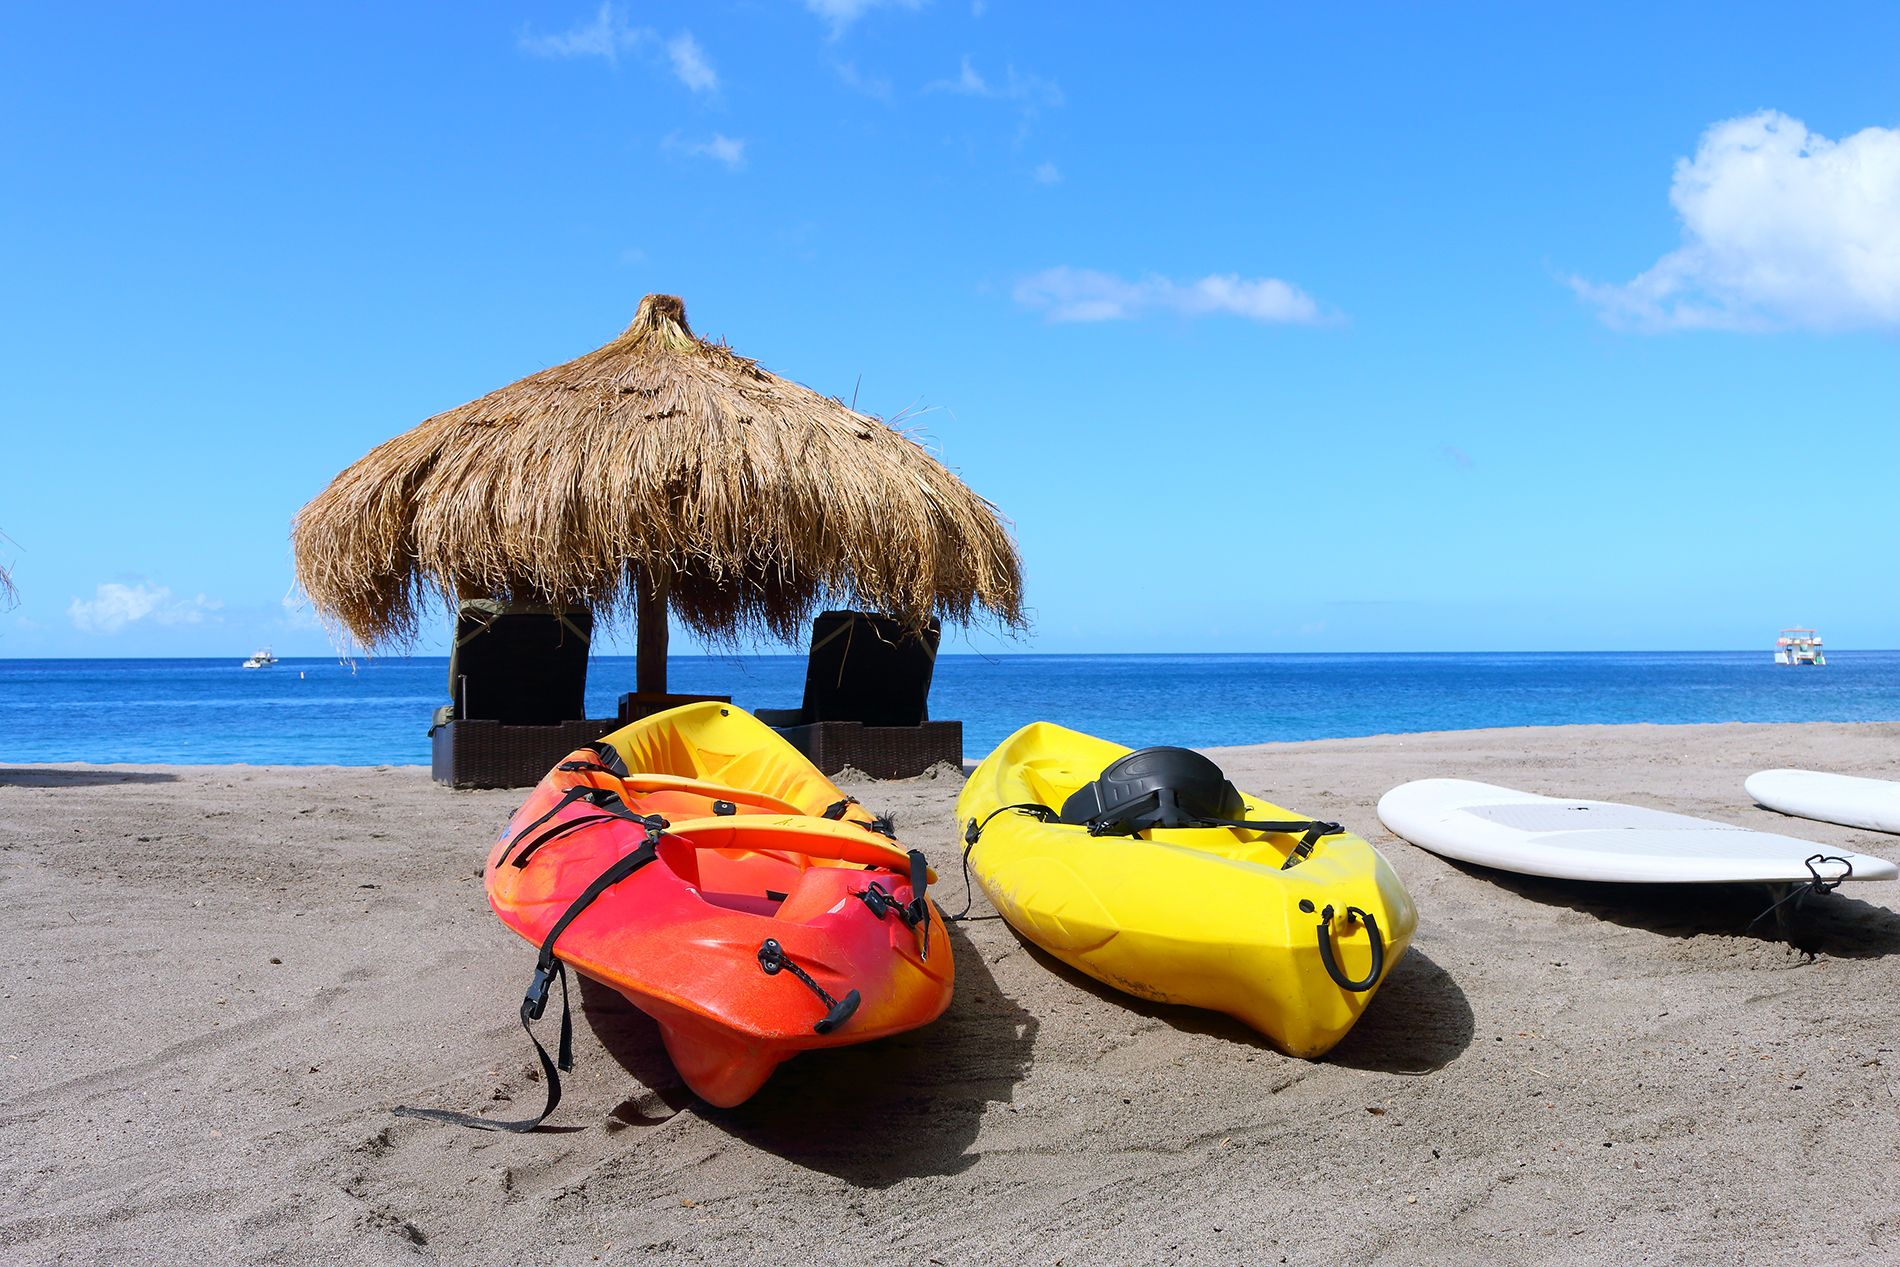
658, 472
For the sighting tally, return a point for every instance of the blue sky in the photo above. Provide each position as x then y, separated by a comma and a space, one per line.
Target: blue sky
1373, 328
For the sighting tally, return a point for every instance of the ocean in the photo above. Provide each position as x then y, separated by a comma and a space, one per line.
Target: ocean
376, 712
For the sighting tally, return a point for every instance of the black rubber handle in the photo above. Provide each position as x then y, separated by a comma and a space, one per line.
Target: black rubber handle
840, 1013
1332, 965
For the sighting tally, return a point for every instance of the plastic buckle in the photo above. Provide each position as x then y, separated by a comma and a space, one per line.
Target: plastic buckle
536, 1001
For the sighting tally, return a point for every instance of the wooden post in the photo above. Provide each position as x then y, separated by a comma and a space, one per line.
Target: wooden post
649, 673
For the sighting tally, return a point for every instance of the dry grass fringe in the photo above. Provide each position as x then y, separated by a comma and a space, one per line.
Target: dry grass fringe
659, 460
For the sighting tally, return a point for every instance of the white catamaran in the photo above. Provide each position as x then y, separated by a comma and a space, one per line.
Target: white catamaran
1799, 646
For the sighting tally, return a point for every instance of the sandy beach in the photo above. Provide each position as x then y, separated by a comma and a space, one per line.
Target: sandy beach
222, 978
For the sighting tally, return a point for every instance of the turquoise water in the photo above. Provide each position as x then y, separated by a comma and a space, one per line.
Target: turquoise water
377, 711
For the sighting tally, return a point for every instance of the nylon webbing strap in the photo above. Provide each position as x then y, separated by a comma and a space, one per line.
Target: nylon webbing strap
605, 800
547, 969
1312, 830
1315, 832
567, 798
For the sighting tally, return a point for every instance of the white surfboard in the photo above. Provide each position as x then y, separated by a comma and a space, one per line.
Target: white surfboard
1602, 840
1832, 798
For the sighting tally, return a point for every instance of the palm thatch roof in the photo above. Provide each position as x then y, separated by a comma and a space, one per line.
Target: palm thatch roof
660, 467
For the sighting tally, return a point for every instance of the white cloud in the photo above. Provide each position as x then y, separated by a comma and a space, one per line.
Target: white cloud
690, 64
1782, 227
726, 149
1080, 294
874, 86
606, 36
114, 606
842, 13
1029, 91
1047, 174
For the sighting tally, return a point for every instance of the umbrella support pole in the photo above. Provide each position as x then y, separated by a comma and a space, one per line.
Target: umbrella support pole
649, 673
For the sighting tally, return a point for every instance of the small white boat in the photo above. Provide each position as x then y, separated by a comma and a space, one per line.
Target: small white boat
1799, 646
260, 659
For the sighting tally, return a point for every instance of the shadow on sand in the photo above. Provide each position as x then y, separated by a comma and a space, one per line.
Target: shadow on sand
1831, 924
1418, 1022
872, 1114
16, 776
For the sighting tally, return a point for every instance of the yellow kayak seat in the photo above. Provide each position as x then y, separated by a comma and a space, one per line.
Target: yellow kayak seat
1209, 916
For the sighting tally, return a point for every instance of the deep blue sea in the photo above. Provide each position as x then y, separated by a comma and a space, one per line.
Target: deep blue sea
376, 712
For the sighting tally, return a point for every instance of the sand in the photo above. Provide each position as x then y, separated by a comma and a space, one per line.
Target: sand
220, 979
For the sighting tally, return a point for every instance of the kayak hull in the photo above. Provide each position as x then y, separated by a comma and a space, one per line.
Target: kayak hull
682, 937
1200, 916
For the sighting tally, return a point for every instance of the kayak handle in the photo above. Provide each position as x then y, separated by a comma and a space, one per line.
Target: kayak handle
773, 960
840, 1012
1326, 957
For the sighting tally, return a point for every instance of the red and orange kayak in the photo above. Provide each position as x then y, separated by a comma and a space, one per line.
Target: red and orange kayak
700, 865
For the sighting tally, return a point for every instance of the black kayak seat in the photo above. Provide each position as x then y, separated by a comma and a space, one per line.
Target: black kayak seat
1154, 787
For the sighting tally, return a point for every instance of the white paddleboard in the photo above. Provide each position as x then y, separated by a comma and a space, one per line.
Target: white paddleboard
1832, 798
1602, 840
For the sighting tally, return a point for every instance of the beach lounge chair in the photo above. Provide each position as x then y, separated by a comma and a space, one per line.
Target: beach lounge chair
867, 686
518, 686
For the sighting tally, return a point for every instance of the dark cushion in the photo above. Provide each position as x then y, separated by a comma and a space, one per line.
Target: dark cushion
520, 665
868, 669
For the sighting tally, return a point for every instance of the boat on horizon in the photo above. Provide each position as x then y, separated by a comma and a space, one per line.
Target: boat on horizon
1800, 646
260, 659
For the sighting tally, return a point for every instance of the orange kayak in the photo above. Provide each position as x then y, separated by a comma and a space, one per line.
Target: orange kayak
700, 865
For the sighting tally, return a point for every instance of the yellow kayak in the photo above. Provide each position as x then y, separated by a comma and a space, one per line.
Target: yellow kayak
1150, 872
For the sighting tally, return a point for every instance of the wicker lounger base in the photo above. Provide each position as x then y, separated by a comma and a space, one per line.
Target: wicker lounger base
883, 752
491, 754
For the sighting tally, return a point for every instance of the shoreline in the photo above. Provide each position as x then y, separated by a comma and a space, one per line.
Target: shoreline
1566, 1073
1874, 765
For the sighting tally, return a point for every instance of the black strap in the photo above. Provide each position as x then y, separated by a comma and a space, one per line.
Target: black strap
611, 808
973, 832
567, 798
547, 969
1116, 822
882, 824
916, 912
